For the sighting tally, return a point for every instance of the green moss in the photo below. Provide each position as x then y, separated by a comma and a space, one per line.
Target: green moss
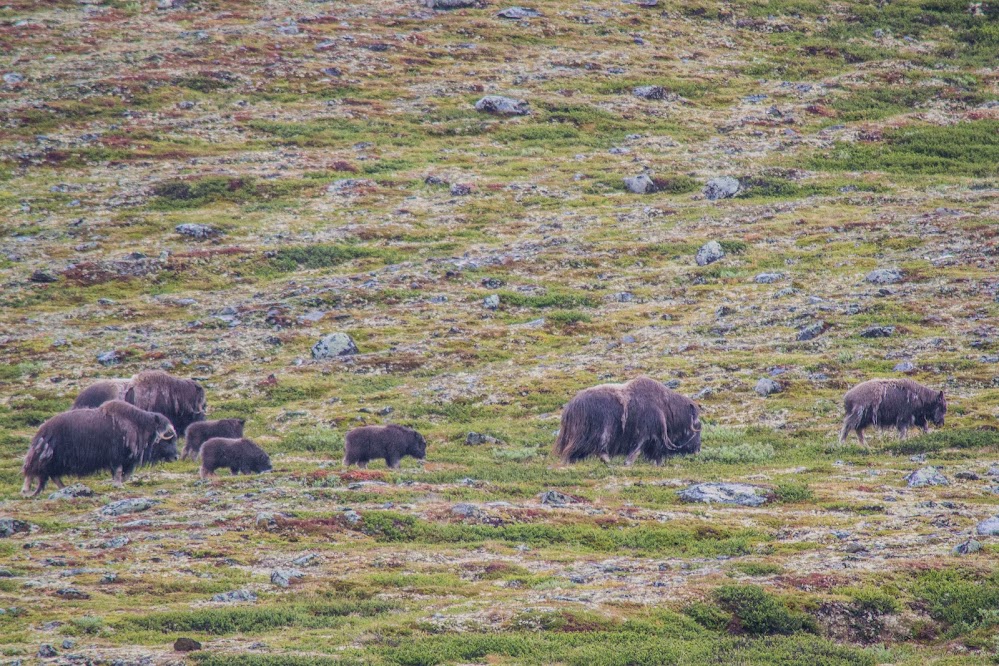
758, 612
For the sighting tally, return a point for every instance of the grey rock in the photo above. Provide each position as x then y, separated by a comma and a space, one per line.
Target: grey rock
967, 547
967, 476
10, 526
109, 358
198, 231
709, 253
503, 106
347, 185
478, 438
927, 476
768, 278
555, 498
235, 596
460, 190
767, 386
884, 276
466, 511
184, 644
353, 517
905, 366
878, 332
988, 527
742, 494
491, 302
72, 492
518, 13
651, 92
47, 652
117, 542
640, 184
332, 345
285, 577
812, 332
723, 187
68, 644
305, 560
13, 78
125, 506
43, 277
450, 4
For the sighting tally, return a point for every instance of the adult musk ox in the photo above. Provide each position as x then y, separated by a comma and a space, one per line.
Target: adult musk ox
180, 400
200, 432
390, 442
891, 403
640, 417
115, 436
240, 455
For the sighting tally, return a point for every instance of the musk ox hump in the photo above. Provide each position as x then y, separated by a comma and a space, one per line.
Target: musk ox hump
100, 392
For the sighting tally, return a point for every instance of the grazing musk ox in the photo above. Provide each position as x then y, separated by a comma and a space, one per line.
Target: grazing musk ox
115, 436
200, 432
640, 417
240, 455
891, 403
390, 442
180, 400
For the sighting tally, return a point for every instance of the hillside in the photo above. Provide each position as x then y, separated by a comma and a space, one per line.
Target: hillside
211, 186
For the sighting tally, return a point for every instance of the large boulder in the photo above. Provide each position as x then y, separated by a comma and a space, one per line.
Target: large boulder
503, 106
884, 276
927, 476
709, 253
332, 345
126, 506
724, 187
640, 184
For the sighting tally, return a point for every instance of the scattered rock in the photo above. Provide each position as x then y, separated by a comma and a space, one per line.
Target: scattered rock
927, 476
47, 652
347, 185
10, 526
878, 332
450, 4
768, 278
467, 511
305, 560
988, 527
742, 494
125, 506
905, 366
332, 345
43, 277
967, 476
491, 302
198, 231
72, 593
503, 106
235, 596
709, 253
186, 645
518, 13
555, 498
461, 190
724, 187
285, 577
812, 332
72, 492
767, 386
967, 547
640, 184
110, 358
13, 78
884, 276
651, 92
478, 438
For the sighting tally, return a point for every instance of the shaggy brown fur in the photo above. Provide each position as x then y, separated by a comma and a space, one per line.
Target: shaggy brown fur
115, 436
891, 403
391, 442
180, 400
200, 432
640, 417
241, 456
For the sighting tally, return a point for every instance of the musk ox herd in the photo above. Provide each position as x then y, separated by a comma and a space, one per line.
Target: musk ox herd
117, 425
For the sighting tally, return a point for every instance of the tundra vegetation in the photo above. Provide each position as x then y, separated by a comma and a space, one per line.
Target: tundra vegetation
210, 186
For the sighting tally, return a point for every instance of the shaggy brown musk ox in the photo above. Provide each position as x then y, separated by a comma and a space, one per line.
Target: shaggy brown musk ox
891, 403
115, 436
390, 442
180, 400
200, 432
241, 456
640, 417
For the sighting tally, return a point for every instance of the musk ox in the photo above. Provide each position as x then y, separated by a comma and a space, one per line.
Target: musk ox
115, 436
390, 442
240, 455
640, 417
200, 432
891, 403
180, 400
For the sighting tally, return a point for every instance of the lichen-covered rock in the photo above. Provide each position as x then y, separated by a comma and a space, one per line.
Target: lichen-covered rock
884, 276
927, 476
640, 184
235, 596
285, 577
332, 345
988, 527
767, 386
721, 188
126, 506
503, 106
742, 494
72, 492
10, 526
651, 92
197, 231
709, 253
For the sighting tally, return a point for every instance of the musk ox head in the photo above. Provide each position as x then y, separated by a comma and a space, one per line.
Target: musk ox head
164, 445
257, 461
937, 410
688, 439
417, 446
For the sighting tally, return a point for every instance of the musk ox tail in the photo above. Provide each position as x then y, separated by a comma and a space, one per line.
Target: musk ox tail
591, 422
855, 419
35, 461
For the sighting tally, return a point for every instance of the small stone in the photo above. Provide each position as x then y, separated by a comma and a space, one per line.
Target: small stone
450, 4
884, 276
503, 106
72, 593
967, 547
198, 231
461, 190
305, 560
47, 652
927, 476
767, 386
478, 438
812, 332
724, 187
10, 526
967, 476
555, 498
43, 277
285, 577
125, 506
68, 644
651, 92
491, 302
742, 494
72, 492
235, 596
768, 278
988, 527
186, 645
640, 184
518, 13
709, 253
13, 78
109, 358
905, 366
332, 345
878, 332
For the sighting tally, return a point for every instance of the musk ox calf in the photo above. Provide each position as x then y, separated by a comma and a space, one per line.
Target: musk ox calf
891, 403
115, 436
180, 400
640, 417
240, 455
200, 432
391, 442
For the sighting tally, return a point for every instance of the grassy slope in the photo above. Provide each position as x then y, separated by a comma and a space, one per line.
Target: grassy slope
882, 152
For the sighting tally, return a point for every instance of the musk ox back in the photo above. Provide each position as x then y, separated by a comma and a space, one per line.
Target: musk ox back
180, 400
391, 442
640, 417
200, 432
240, 455
115, 436
891, 403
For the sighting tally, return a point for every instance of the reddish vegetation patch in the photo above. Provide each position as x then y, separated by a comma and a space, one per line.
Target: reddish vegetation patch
811, 582
361, 475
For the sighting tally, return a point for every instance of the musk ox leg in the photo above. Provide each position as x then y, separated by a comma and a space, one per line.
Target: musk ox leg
633, 456
363, 464
42, 480
26, 488
116, 478
58, 482
860, 436
605, 458
393, 464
